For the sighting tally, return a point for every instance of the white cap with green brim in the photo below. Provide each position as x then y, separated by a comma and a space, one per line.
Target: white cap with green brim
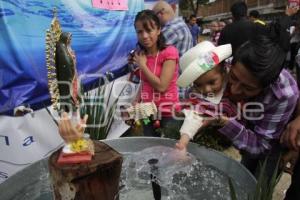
201, 59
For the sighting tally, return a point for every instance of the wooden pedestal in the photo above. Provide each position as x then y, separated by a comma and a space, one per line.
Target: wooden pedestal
96, 180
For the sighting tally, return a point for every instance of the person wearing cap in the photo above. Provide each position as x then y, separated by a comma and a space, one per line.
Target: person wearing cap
204, 67
269, 94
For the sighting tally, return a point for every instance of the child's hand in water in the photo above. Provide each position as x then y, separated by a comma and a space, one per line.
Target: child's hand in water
183, 142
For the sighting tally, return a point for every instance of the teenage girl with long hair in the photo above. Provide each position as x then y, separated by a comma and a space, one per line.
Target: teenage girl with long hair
157, 67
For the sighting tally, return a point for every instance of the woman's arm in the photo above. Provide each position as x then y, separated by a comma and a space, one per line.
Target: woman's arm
291, 136
161, 83
257, 139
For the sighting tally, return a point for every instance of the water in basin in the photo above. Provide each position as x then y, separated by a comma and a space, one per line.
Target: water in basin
177, 176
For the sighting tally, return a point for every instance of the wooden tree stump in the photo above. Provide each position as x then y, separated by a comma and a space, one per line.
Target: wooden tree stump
98, 179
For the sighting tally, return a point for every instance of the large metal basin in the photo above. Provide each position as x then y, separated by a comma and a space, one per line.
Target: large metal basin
20, 184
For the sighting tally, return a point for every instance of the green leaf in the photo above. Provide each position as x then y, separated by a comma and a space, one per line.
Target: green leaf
232, 190
100, 115
264, 188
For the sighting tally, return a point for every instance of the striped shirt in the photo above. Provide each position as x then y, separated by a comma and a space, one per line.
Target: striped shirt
178, 34
257, 136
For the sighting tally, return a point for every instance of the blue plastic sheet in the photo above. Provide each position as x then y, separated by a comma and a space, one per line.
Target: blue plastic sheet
101, 41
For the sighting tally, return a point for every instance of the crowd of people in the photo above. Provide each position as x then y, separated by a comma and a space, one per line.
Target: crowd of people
241, 70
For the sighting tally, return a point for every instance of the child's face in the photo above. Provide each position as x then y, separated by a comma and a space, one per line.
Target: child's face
147, 33
211, 82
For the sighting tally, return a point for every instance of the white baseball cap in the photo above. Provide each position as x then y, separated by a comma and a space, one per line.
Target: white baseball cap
200, 59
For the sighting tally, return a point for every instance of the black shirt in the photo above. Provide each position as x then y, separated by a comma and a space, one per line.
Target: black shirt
243, 30
236, 33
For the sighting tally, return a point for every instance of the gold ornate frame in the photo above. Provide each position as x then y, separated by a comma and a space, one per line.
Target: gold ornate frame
52, 37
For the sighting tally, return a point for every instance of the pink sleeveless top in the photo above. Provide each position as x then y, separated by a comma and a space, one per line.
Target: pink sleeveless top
169, 100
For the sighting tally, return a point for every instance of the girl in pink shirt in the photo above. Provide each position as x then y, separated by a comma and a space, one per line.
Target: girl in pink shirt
157, 67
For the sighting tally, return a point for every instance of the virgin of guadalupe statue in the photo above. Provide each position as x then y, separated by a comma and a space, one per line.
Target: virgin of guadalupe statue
66, 74
61, 68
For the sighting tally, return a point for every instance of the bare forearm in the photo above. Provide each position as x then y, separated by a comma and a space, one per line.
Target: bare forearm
153, 79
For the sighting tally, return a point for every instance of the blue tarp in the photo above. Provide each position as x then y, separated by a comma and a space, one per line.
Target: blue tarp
101, 41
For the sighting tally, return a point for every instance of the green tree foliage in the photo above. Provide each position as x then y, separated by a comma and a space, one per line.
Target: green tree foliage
191, 4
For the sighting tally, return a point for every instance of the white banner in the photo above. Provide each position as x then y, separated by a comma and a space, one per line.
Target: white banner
129, 91
27, 139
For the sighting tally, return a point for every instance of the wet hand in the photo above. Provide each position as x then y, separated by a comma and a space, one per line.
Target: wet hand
180, 146
179, 155
183, 142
